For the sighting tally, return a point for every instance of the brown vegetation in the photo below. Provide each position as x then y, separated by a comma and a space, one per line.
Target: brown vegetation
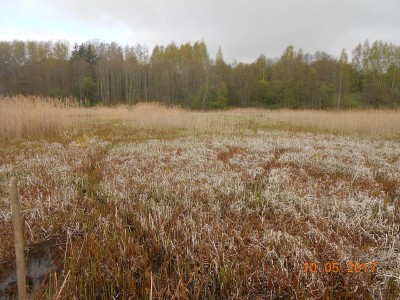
202, 205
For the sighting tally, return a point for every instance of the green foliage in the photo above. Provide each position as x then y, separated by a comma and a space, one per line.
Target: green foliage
56, 93
86, 89
185, 75
86, 53
353, 101
263, 90
219, 97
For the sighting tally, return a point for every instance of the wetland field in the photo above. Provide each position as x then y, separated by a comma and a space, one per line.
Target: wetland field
159, 202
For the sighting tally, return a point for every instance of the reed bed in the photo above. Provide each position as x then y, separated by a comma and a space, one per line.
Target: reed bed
32, 117
371, 122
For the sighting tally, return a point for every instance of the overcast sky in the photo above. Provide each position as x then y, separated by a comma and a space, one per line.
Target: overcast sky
243, 28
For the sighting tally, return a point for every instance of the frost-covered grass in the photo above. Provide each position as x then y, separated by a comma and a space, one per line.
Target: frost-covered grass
202, 214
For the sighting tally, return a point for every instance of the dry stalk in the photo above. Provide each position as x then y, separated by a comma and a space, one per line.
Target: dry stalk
19, 239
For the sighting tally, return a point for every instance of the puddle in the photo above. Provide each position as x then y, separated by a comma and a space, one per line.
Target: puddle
37, 270
39, 264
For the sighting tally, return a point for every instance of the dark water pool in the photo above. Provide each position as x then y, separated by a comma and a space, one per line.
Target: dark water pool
37, 270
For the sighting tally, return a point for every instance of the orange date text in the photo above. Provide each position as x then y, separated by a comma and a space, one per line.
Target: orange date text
336, 267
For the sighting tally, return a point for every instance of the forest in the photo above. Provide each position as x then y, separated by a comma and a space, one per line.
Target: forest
98, 73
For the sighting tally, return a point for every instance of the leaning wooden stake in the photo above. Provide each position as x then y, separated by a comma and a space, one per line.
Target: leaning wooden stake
19, 239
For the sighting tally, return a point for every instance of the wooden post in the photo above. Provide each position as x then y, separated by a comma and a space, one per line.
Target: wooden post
19, 239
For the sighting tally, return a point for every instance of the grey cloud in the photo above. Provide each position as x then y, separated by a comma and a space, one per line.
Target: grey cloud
243, 28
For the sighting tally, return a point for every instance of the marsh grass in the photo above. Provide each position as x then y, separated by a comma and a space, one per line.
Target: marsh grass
34, 117
383, 123
203, 205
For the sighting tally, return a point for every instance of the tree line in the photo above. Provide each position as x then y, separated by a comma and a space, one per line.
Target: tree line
185, 75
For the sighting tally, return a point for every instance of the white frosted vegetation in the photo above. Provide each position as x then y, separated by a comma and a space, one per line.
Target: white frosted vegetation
312, 189
255, 207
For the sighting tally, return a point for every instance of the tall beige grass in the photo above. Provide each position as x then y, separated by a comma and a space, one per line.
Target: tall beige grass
370, 122
23, 117
34, 116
